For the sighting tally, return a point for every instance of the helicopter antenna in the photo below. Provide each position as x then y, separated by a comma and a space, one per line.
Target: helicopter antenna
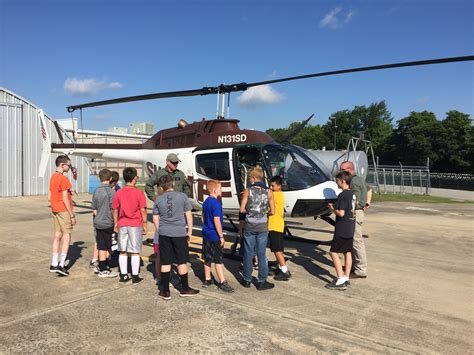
222, 89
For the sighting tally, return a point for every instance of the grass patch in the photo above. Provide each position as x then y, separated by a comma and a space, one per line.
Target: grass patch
391, 197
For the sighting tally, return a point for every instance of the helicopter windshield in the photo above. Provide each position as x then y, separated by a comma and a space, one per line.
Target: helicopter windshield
297, 170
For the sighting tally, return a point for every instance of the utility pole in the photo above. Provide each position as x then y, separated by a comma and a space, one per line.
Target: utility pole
334, 118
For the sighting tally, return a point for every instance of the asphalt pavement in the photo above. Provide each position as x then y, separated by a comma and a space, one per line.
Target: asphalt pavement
418, 296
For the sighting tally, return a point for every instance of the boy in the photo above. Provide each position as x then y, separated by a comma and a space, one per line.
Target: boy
171, 213
156, 244
343, 232
257, 202
131, 224
114, 181
276, 227
94, 263
213, 238
60, 197
104, 221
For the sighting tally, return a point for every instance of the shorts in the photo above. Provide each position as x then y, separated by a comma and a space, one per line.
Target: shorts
103, 238
212, 252
62, 222
276, 241
130, 239
341, 245
173, 250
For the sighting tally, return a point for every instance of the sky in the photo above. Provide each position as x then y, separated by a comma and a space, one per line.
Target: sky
58, 53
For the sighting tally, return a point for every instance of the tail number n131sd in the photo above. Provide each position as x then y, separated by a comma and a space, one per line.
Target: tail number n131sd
232, 138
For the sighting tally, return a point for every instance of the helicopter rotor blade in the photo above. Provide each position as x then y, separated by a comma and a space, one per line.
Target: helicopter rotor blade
286, 139
375, 67
244, 86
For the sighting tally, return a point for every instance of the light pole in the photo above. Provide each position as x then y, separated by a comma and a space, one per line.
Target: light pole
334, 118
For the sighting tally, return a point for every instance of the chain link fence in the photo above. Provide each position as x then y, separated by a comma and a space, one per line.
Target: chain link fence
400, 179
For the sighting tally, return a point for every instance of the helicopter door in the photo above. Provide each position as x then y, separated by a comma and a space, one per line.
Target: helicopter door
244, 159
215, 164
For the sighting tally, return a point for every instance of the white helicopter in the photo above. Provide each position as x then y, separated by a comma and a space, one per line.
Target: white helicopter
219, 149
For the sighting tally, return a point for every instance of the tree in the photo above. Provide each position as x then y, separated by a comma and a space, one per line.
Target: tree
373, 123
311, 137
454, 143
412, 141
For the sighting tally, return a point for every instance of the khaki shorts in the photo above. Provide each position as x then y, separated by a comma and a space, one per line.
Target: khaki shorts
62, 222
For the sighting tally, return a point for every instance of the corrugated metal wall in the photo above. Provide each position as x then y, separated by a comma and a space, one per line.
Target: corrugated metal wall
20, 150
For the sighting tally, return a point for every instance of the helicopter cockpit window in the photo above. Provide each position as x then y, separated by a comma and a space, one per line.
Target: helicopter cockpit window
298, 171
214, 165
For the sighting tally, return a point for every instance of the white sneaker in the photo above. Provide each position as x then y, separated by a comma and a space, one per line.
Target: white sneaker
107, 273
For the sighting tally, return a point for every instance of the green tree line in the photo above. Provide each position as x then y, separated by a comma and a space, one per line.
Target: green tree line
447, 142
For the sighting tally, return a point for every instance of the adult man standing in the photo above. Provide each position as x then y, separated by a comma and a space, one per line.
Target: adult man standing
181, 183
363, 196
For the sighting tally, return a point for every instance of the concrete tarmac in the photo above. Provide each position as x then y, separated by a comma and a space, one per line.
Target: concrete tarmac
418, 296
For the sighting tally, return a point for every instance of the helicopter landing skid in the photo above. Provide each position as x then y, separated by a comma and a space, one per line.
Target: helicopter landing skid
290, 237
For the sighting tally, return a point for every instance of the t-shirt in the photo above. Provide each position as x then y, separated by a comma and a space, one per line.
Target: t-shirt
359, 187
57, 185
130, 201
171, 206
276, 222
345, 226
102, 203
211, 208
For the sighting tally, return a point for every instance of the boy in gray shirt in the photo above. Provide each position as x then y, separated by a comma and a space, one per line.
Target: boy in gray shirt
171, 213
104, 221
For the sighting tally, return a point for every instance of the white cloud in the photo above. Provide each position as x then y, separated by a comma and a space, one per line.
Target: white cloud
88, 87
272, 74
423, 100
263, 94
349, 15
336, 18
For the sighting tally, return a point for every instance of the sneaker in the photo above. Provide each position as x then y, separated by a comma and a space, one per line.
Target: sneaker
348, 283
224, 286
62, 271
282, 276
107, 273
53, 268
333, 286
262, 286
207, 283
165, 295
93, 264
136, 279
124, 278
189, 292
246, 284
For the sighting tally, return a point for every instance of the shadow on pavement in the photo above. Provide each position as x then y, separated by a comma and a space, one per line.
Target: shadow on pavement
75, 253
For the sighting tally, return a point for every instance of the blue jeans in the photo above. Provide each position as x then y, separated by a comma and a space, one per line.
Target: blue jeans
255, 241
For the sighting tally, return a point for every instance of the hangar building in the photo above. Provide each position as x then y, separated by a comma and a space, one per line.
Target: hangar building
21, 144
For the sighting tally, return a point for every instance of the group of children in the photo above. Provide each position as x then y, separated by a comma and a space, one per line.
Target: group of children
123, 211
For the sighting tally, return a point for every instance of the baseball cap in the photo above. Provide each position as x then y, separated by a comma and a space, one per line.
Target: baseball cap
172, 158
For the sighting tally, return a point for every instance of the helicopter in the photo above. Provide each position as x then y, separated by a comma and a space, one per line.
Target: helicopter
219, 149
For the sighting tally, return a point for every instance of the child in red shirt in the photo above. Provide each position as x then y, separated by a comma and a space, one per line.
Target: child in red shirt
131, 224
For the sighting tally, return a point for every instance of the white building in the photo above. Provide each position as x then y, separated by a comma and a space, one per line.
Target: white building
119, 130
21, 144
141, 128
